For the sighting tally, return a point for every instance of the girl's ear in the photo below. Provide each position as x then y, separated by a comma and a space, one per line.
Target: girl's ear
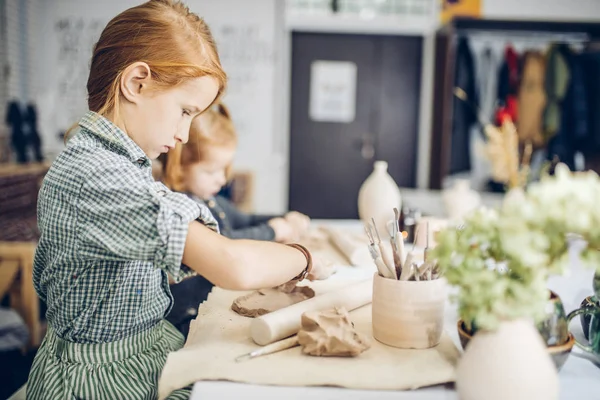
224, 111
134, 79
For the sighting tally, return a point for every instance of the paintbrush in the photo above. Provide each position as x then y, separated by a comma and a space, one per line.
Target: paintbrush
399, 241
270, 349
426, 250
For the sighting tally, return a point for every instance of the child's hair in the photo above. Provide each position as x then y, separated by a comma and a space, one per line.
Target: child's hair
212, 128
174, 42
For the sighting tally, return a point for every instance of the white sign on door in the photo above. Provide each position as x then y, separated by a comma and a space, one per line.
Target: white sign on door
332, 91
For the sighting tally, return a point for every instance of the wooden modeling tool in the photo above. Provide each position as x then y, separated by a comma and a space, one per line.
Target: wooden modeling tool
383, 270
385, 256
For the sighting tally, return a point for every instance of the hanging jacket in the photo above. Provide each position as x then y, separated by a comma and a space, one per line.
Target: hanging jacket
590, 63
556, 82
19, 141
508, 86
463, 116
573, 129
531, 99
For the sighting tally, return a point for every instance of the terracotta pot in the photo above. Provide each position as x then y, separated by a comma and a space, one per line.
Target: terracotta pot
408, 314
509, 363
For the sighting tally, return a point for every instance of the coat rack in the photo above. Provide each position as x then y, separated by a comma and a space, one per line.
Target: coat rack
575, 33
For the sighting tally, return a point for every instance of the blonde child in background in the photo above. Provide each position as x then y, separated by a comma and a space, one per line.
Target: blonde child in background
111, 236
199, 169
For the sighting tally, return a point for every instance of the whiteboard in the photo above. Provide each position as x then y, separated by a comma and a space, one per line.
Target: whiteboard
248, 39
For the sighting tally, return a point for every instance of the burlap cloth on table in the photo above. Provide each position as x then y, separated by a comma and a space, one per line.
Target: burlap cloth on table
218, 335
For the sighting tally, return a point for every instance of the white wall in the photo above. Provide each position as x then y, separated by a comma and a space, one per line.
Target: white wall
248, 35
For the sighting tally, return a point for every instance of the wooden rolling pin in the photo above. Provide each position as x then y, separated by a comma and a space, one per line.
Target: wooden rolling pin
283, 323
350, 246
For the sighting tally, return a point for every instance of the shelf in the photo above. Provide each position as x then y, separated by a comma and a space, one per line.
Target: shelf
355, 24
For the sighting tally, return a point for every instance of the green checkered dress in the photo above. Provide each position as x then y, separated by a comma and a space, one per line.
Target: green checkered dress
109, 236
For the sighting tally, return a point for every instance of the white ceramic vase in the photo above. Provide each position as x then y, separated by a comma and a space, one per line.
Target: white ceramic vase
378, 196
510, 363
460, 200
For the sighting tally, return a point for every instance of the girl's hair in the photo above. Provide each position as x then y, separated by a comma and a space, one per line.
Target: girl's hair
212, 128
174, 42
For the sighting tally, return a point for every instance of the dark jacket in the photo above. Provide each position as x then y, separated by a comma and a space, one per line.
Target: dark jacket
463, 116
573, 130
236, 224
191, 292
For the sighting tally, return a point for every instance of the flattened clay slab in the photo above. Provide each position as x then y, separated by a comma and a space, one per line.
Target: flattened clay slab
264, 301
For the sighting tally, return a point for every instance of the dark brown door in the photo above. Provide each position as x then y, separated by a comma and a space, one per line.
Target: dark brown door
330, 160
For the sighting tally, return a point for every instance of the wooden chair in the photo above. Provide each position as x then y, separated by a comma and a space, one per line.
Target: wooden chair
16, 279
19, 186
242, 190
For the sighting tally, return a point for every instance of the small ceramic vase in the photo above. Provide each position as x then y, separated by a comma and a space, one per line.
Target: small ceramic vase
378, 196
509, 363
460, 200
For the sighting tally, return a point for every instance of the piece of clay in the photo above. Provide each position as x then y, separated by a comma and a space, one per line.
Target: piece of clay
264, 301
330, 333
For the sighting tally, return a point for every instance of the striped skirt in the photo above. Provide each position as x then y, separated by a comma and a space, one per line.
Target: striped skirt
122, 370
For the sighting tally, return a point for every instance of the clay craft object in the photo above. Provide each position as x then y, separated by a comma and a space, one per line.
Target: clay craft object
330, 333
264, 301
286, 322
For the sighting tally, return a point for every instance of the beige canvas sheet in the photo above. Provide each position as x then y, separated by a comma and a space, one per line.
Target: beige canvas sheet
218, 336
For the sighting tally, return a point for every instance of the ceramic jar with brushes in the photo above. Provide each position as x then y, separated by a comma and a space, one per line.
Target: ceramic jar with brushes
408, 299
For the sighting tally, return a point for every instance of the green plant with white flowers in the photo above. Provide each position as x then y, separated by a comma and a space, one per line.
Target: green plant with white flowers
500, 260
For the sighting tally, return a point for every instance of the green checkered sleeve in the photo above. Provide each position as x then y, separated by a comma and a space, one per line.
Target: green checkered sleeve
122, 217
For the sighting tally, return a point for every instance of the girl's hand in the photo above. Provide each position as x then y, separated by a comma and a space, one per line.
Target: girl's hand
285, 232
299, 221
321, 269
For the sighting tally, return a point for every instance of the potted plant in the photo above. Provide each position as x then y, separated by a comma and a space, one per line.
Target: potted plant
500, 261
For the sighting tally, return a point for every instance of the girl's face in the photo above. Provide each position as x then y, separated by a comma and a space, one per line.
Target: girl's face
156, 120
205, 179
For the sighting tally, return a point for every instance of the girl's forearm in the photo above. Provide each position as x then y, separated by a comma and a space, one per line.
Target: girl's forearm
240, 264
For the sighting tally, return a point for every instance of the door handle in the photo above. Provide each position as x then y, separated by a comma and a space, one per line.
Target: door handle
367, 150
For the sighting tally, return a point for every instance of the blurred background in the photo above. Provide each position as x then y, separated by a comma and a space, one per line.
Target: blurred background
319, 90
